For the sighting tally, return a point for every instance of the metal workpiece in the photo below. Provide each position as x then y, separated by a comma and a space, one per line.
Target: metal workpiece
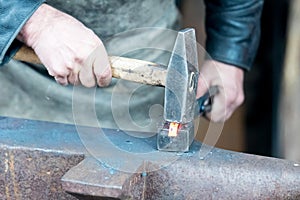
179, 143
43, 160
182, 79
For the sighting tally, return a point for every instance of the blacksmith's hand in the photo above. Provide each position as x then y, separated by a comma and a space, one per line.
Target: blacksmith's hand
71, 52
229, 79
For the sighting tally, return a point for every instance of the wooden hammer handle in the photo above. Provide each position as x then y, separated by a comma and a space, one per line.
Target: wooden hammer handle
124, 68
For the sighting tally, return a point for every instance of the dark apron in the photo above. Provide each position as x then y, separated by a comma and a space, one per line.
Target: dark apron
138, 29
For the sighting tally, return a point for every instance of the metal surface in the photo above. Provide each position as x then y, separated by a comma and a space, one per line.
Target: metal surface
33, 158
182, 77
220, 175
35, 155
179, 143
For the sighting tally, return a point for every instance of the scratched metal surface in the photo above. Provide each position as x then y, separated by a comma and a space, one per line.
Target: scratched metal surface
36, 155
220, 175
34, 174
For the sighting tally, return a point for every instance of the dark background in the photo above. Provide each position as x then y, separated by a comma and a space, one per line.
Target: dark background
253, 127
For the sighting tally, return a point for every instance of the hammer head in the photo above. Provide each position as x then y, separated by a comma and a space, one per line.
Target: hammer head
180, 94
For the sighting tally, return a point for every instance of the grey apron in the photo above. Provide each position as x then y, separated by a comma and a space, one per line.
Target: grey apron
138, 29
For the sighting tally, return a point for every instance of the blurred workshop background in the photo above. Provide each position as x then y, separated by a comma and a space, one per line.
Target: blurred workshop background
267, 123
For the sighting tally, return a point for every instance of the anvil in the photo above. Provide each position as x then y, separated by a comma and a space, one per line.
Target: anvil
45, 160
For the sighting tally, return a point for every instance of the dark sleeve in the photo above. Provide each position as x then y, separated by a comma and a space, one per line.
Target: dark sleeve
233, 30
13, 15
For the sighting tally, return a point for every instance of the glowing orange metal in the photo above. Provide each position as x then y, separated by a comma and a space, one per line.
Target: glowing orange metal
173, 129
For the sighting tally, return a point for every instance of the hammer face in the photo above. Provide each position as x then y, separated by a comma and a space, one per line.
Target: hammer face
178, 143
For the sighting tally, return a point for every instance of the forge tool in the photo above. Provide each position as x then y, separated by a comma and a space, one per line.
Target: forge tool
180, 81
181, 105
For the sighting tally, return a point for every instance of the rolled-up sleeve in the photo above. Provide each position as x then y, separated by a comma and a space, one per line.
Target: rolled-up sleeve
13, 15
233, 30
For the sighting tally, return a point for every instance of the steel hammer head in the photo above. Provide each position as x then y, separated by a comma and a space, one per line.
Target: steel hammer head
180, 94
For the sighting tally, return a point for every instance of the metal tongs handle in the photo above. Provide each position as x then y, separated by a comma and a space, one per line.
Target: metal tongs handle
205, 102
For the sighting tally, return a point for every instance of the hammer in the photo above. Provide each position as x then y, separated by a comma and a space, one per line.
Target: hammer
181, 106
180, 79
